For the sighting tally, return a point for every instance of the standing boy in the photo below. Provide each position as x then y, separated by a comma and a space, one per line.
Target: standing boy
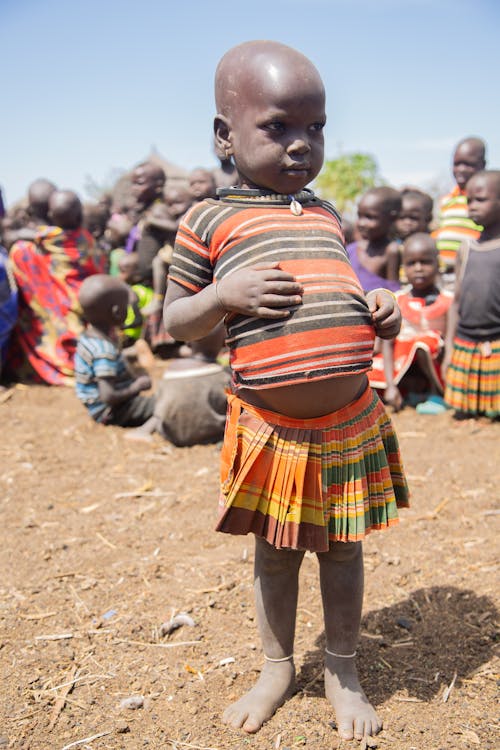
454, 223
268, 257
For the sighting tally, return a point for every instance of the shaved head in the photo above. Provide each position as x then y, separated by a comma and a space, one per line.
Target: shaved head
39, 193
65, 209
244, 68
473, 145
489, 177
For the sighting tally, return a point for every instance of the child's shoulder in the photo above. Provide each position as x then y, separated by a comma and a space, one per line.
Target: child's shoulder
97, 345
328, 206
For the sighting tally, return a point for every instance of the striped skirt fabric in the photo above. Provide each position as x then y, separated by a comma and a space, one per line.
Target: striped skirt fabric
301, 484
473, 378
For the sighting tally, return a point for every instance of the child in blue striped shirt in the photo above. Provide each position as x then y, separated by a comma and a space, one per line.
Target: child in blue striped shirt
103, 382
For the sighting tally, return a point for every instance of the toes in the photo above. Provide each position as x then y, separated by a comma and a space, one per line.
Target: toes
345, 730
251, 725
241, 720
234, 718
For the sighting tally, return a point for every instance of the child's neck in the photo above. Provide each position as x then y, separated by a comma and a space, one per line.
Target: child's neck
422, 293
377, 246
490, 233
103, 332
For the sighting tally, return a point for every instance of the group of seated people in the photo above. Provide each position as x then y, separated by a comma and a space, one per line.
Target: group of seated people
82, 290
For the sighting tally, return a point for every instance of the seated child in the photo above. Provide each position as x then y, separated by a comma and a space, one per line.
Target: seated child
103, 383
310, 458
191, 401
411, 362
375, 257
473, 336
140, 297
415, 214
117, 230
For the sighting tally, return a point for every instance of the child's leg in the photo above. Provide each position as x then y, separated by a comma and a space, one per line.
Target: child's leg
341, 578
276, 578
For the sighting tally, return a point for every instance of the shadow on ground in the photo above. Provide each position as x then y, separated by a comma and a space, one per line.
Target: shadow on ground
416, 645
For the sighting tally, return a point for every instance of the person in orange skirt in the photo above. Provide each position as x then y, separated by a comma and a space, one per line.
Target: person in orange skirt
310, 459
472, 359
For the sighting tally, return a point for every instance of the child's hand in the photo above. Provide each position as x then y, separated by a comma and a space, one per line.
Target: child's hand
143, 383
261, 291
385, 311
393, 397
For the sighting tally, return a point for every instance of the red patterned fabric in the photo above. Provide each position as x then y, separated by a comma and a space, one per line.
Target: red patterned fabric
49, 273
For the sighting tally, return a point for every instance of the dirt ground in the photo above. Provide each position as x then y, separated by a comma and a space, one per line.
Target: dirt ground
104, 540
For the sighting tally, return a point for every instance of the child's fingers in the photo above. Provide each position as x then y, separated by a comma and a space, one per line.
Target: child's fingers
280, 300
277, 313
283, 287
389, 328
383, 311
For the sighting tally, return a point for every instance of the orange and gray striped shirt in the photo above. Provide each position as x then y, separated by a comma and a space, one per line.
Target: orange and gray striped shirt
330, 334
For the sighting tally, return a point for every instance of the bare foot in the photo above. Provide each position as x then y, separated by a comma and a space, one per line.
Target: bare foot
275, 685
144, 432
355, 716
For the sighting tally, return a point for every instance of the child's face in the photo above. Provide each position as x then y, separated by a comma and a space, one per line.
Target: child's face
129, 271
201, 184
483, 200
374, 221
420, 264
412, 217
144, 186
177, 202
466, 162
276, 133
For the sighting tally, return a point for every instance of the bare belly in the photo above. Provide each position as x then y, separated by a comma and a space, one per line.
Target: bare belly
308, 400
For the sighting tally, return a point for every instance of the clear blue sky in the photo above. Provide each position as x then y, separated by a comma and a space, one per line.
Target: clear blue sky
91, 85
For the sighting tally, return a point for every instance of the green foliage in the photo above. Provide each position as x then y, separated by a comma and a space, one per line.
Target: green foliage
344, 179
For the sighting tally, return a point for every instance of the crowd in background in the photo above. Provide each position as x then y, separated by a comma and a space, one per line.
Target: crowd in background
51, 244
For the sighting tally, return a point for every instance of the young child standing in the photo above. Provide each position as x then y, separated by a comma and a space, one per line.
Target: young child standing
411, 362
103, 383
310, 460
473, 339
376, 257
454, 222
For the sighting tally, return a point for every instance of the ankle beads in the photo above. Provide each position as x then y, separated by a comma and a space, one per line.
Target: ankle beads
340, 656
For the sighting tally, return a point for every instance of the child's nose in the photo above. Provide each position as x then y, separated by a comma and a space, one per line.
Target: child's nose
299, 145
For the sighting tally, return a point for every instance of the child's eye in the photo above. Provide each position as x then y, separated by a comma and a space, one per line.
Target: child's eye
317, 126
275, 127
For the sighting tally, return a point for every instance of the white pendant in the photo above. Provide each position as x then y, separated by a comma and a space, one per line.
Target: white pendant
295, 207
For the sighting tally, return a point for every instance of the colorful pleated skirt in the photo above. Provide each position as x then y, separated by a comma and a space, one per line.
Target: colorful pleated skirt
303, 483
473, 378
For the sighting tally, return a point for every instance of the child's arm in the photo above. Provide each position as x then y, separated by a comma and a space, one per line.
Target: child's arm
113, 396
385, 311
261, 291
393, 261
392, 395
452, 317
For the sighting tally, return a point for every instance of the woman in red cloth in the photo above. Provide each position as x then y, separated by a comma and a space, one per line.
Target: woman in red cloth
49, 272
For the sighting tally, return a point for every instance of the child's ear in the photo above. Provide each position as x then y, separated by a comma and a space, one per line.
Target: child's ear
222, 135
